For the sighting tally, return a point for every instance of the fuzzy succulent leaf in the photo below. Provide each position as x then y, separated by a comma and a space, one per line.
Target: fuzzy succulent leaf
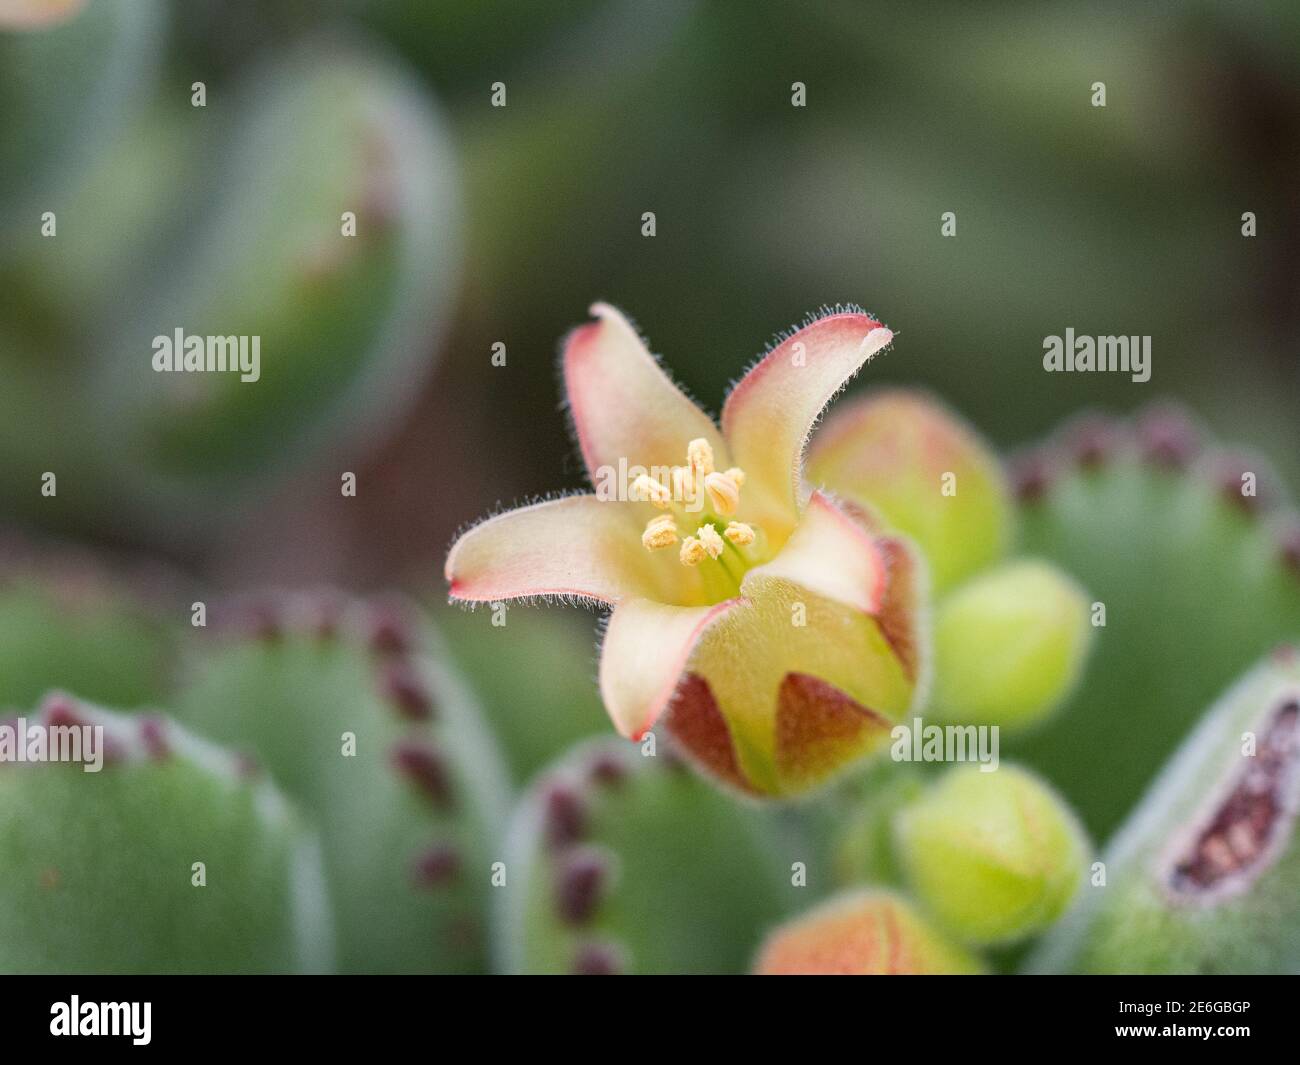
1197, 581
98, 873
1205, 875
356, 713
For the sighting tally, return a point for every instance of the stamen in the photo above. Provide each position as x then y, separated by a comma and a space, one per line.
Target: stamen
724, 493
737, 475
693, 552
739, 533
699, 456
646, 489
711, 540
659, 532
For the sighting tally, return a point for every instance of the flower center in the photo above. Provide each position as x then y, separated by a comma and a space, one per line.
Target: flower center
702, 499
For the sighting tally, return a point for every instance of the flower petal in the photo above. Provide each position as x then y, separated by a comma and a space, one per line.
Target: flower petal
576, 546
831, 554
644, 655
624, 406
769, 414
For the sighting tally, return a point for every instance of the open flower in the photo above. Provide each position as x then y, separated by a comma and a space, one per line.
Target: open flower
764, 625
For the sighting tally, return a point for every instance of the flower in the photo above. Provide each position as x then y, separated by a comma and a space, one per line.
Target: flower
766, 625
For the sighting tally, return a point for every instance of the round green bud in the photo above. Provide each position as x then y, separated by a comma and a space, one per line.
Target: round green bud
995, 856
1009, 646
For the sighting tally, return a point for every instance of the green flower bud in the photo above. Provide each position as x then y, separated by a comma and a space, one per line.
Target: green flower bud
862, 934
1205, 875
995, 856
1009, 646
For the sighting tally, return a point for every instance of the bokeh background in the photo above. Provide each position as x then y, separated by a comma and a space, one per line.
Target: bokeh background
480, 224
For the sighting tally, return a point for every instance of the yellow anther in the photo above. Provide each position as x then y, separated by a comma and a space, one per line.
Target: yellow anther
724, 493
711, 540
699, 456
737, 475
659, 532
739, 533
692, 553
647, 489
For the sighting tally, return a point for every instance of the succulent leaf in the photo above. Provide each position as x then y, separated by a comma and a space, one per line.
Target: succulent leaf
99, 867
356, 714
1194, 577
1204, 877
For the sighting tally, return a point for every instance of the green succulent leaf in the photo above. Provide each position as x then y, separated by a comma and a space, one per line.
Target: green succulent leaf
173, 857
355, 712
1204, 877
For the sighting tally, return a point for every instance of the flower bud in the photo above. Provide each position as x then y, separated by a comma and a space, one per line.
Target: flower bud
925, 472
994, 856
861, 934
1009, 646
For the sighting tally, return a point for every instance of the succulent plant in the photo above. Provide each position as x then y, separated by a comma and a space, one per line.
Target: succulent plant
617, 862
1197, 581
1203, 877
172, 856
867, 933
353, 709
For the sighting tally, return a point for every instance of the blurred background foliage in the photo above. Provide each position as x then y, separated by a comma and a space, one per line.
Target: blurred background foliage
479, 225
